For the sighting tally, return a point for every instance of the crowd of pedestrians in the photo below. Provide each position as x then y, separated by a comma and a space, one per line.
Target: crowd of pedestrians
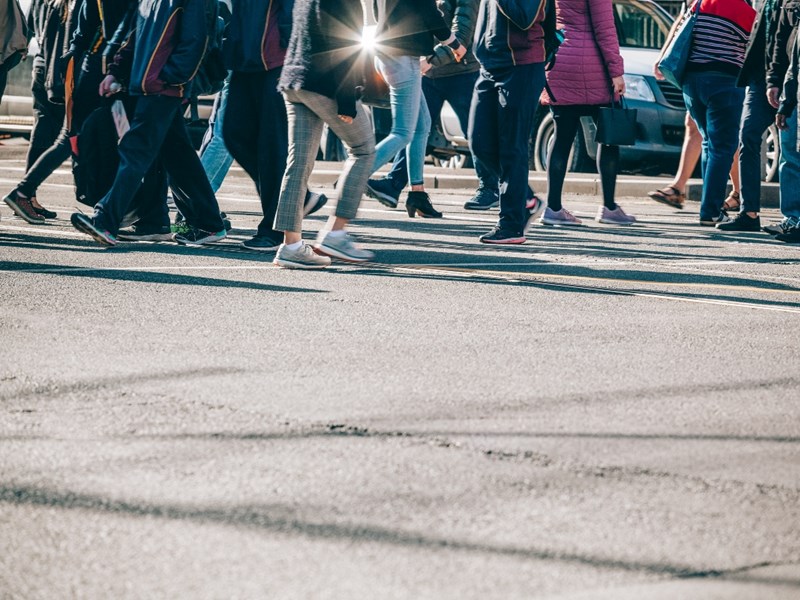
287, 68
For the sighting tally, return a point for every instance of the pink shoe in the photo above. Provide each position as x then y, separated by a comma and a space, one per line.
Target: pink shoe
561, 217
614, 217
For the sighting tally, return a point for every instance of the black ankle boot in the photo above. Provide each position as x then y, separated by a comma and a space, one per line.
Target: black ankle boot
419, 203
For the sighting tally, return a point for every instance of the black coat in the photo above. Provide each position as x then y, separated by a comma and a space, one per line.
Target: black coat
759, 48
324, 54
408, 27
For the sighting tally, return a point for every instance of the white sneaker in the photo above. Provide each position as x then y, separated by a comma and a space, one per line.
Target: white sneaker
303, 257
342, 247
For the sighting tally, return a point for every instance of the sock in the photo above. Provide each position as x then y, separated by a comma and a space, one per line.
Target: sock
337, 233
295, 246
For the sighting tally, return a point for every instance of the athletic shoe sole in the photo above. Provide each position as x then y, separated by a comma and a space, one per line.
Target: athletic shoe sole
326, 251
537, 210
151, 237
82, 224
544, 221
481, 206
610, 222
37, 220
288, 264
384, 199
321, 202
506, 241
211, 239
261, 248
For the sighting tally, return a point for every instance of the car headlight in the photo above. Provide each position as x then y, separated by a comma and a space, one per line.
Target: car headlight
637, 88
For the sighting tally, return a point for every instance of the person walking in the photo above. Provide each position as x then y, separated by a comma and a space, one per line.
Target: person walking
159, 60
757, 116
788, 123
509, 44
405, 33
586, 77
716, 56
320, 81
444, 80
786, 119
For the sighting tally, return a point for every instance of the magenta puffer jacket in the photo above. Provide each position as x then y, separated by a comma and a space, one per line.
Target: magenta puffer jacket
589, 55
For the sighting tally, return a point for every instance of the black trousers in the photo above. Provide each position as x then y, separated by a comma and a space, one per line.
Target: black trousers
48, 118
256, 133
157, 127
85, 100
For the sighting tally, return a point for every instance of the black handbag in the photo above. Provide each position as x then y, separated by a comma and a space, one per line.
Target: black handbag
375, 91
616, 125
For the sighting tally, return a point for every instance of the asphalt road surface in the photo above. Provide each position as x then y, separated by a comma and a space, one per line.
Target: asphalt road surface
603, 413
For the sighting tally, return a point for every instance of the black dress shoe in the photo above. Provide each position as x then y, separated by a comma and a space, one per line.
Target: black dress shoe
419, 203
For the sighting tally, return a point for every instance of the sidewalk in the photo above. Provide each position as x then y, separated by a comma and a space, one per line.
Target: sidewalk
326, 173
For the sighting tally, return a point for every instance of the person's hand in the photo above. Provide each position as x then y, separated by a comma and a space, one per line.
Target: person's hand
424, 65
109, 86
780, 121
459, 52
619, 84
657, 73
773, 96
346, 119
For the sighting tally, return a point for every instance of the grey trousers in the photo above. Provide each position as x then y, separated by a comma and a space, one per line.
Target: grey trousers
307, 113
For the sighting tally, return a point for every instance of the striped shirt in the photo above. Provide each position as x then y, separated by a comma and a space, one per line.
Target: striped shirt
720, 35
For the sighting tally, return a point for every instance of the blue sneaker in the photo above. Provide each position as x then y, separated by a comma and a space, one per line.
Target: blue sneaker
384, 191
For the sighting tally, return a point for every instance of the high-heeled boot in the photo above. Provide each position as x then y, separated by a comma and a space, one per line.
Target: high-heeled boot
419, 203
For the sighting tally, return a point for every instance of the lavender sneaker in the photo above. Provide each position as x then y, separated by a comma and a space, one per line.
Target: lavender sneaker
561, 217
614, 217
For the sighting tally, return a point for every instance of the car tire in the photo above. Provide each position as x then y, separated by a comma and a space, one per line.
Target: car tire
771, 153
544, 134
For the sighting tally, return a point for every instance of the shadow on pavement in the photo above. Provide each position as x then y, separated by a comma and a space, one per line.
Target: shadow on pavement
278, 519
133, 275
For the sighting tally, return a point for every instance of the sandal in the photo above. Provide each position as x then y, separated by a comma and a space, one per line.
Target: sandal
669, 195
732, 203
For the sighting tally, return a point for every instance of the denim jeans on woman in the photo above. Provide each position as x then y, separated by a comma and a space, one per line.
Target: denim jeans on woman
715, 103
411, 121
789, 170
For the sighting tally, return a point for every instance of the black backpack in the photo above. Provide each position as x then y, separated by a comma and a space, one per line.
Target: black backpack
211, 74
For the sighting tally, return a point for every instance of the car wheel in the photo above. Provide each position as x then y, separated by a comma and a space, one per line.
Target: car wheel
771, 151
578, 162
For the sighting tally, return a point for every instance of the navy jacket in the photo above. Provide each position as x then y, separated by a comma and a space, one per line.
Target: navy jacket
164, 52
510, 33
258, 35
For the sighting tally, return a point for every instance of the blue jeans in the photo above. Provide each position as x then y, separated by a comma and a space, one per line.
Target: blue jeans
756, 117
213, 154
411, 122
715, 104
457, 91
499, 133
789, 170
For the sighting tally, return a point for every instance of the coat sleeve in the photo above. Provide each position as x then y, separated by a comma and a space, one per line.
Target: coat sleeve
433, 19
342, 49
779, 61
789, 103
464, 21
522, 13
86, 29
601, 13
190, 44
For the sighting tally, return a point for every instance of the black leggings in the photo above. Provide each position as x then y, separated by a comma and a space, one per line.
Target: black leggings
567, 120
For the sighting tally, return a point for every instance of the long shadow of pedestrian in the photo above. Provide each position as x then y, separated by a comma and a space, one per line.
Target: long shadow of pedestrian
140, 276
